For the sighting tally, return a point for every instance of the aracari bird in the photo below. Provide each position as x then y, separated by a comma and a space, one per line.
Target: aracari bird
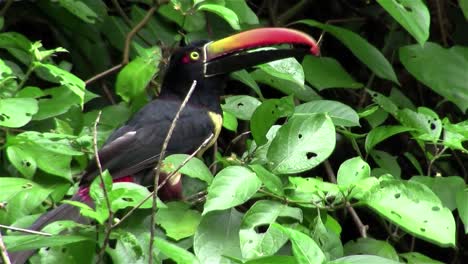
133, 150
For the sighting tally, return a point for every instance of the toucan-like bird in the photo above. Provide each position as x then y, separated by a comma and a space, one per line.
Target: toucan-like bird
132, 151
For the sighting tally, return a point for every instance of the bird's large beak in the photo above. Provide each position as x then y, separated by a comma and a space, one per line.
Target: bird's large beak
229, 54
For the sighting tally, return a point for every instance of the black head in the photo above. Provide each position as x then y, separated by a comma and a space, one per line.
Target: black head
209, 62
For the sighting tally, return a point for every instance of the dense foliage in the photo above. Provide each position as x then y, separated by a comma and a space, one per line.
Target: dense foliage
357, 156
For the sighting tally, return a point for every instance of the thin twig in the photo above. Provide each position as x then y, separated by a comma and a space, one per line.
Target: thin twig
202, 146
158, 166
4, 252
122, 12
436, 157
5, 8
104, 190
108, 94
28, 231
235, 140
131, 34
443, 33
357, 220
104, 73
292, 11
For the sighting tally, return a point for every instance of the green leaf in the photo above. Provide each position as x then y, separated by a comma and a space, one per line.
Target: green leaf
244, 77
266, 116
352, 171
301, 144
446, 188
128, 194
56, 101
232, 186
455, 135
387, 162
174, 252
427, 124
53, 142
379, 134
178, 220
264, 213
414, 162
27, 242
277, 259
370, 246
285, 75
218, 236
418, 258
243, 11
80, 10
341, 114
17, 112
462, 206
75, 84
242, 106
363, 259
324, 72
413, 15
304, 247
450, 81
415, 208
136, 75
224, 12
271, 181
229, 121
464, 7
23, 161
363, 50
310, 190
327, 239
194, 168
129, 248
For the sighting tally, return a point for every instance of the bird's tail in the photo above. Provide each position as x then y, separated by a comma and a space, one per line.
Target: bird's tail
63, 212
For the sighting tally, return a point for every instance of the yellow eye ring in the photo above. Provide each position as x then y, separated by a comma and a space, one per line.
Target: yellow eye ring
194, 55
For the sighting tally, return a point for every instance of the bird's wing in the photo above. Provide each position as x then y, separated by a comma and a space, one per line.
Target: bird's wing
137, 145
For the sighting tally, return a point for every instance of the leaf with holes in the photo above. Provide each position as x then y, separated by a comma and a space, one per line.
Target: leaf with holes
262, 214
301, 144
19, 197
341, 114
242, 106
361, 48
415, 208
305, 249
450, 80
128, 194
324, 72
426, 122
267, 114
178, 220
285, 75
23, 161
379, 134
72, 82
352, 171
418, 258
413, 15
446, 188
17, 112
232, 186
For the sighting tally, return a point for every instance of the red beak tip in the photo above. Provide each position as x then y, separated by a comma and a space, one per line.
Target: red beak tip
315, 50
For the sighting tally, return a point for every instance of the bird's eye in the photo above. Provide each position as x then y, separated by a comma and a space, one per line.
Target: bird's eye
194, 55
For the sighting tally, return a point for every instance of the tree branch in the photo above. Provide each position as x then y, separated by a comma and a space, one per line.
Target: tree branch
158, 166
104, 190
